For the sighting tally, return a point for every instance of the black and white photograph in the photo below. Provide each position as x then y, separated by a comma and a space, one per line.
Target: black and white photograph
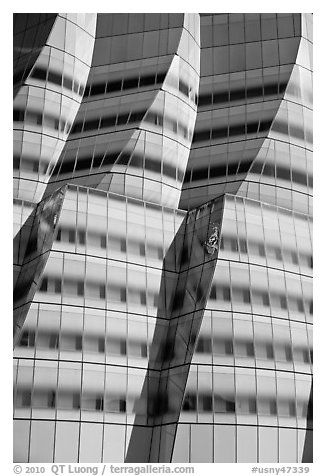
162, 209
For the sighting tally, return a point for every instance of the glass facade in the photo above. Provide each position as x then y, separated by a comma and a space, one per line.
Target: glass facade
163, 257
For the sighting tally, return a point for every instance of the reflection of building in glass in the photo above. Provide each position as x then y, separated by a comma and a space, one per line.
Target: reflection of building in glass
163, 239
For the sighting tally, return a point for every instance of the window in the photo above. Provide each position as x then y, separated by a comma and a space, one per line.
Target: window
204, 345
24, 398
71, 236
43, 399
246, 405
80, 288
252, 406
261, 250
76, 400
143, 300
305, 356
310, 307
123, 347
116, 405
242, 347
265, 299
101, 345
18, 115
288, 353
226, 294
283, 302
81, 237
155, 300
292, 408
79, 343
246, 296
300, 305
250, 349
267, 406
51, 399
68, 401
269, 351
123, 295
59, 235
234, 244
102, 291
99, 403
189, 403
27, 339
223, 406
294, 257
143, 350
205, 403
44, 285
213, 292
54, 341
57, 286
228, 347
310, 261
103, 241
123, 245
39, 73
243, 246
273, 407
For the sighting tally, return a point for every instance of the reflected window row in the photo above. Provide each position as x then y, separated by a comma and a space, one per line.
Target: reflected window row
202, 403
130, 117
104, 122
119, 85
236, 245
234, 130
84, 343
283, 173
98, 291
267, 91
262, 298
110, 242
42, 399
256, 168
40, 119
132, 159
85, 163
47, 75
247, 348
245, 405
